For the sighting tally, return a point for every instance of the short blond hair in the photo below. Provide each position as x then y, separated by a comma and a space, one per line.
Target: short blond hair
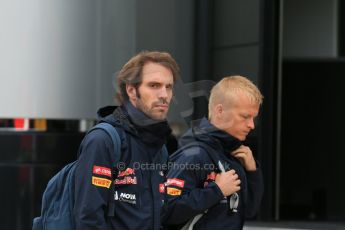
226, 89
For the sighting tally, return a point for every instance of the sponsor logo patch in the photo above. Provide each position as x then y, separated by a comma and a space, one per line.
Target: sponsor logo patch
176, 182
126, 180
101, 171
126, 172
174, 191
161, 188
125, 197
211, 176
101, 182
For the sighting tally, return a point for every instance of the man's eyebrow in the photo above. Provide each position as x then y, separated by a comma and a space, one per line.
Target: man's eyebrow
154, 82
157, 82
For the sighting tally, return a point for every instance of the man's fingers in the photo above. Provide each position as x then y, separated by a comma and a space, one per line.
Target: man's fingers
240, 155
242, 149
235, 176
238, 182
236, 152
232, 172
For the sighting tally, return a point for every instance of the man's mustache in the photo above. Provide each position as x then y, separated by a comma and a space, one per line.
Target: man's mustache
161, 102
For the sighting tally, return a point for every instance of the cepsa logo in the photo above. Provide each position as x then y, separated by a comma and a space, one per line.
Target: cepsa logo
176, 182
101, 171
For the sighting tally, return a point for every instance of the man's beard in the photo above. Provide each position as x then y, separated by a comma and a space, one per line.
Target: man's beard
149, 111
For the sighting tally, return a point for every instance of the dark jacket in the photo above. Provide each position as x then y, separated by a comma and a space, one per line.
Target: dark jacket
137, 198
193, 190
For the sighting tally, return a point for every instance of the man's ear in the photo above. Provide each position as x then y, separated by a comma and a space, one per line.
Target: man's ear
218, 109
131, 92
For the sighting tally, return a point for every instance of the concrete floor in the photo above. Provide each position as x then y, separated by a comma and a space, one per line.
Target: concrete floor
293, 226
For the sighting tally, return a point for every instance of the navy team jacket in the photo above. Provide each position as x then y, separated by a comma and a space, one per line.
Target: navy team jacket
137, 198
191, 188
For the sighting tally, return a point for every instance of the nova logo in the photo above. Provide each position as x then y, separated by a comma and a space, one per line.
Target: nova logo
127, 196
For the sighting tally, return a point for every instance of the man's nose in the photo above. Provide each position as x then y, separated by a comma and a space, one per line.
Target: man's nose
251, 123
163, 93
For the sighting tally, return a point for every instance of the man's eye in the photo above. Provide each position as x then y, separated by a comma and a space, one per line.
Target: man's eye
169, 86
246, 117
154, 85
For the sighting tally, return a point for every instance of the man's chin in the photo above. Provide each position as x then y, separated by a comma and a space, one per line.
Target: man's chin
242, 138
159, 116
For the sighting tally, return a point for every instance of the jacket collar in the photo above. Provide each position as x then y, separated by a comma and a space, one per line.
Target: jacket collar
206, 132
150, 131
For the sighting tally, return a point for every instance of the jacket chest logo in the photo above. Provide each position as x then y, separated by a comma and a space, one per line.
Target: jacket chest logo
126, 176
125, 197
210, 178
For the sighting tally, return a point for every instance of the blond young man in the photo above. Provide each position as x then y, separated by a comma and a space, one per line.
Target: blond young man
220, 178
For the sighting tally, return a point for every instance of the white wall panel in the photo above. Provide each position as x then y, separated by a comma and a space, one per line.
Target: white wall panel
58, 57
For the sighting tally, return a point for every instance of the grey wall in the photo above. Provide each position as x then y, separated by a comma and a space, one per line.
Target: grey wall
169, 26
310, 28
47, 48
236, 37
58, 58
117, 41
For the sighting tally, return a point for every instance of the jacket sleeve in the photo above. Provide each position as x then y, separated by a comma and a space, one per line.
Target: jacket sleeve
92, 181
255, 192
186, 195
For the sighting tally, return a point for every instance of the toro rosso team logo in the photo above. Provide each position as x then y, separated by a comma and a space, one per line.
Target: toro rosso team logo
126, 172
126, 177
161, 188
126, 180
210, 177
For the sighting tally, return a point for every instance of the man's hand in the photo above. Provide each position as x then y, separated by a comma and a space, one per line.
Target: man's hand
245, 156
228, 182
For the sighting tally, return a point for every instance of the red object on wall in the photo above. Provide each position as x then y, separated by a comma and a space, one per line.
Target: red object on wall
21, 123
